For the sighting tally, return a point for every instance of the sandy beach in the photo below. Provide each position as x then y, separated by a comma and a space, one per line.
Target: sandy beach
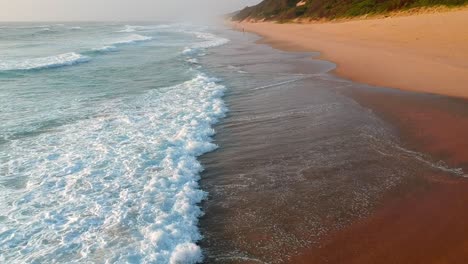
294, 130
423, 219
425, 53
424, 223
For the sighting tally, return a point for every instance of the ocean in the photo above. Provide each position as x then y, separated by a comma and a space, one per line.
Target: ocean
176, 143
101, 126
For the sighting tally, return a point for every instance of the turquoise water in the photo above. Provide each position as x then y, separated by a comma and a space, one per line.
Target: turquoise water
101, 126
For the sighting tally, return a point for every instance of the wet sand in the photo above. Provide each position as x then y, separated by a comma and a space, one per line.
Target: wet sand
426, 53
435, 125
426, 223
312, 170
423, 222
422, 219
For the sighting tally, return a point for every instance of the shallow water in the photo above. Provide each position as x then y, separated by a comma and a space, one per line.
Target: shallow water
298, 158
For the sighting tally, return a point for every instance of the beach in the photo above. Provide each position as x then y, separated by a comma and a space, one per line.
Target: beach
424, 220
420, 219
425, 52
181, 143
314, 168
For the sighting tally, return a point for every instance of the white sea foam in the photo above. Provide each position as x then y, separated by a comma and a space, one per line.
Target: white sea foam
161, 27
46, 30
186, 253
127, 40
192, 61
106, 49
132, 39
128, 29
61, 60
208, 41
119, 187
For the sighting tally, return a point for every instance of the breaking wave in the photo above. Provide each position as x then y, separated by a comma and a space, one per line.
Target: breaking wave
208, 41
134, 38
121, 186
61, 60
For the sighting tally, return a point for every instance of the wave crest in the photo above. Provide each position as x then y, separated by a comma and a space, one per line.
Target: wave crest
129, 176
105, 49
129, 28
132, 39
56, 61
209, 41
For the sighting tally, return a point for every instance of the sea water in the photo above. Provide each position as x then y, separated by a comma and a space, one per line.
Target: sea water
100, 129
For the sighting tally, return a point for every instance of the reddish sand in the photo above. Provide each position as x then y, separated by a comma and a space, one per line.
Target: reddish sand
430, 124
427, 225
425, 221
426, 52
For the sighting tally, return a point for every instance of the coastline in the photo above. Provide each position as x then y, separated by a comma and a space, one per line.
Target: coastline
422, 53
293, 133
421, 221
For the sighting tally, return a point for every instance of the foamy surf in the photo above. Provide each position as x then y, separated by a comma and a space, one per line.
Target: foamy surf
61, 60
121, 186
134, 38
208, 41
105, 168
105, 49
127, 40
129, 28
66, 59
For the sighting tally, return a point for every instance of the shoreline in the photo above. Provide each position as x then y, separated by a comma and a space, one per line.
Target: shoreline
294, 140
422, 223
422, 53
422, 220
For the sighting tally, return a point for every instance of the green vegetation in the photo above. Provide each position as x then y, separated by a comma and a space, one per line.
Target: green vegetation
283, 10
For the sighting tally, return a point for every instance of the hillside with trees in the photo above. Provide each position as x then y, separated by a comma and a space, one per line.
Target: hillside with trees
331, 9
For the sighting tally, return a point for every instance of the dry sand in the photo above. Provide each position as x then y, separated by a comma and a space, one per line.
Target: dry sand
426, 52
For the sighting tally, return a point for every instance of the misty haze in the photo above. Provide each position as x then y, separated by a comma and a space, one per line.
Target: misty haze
117, 10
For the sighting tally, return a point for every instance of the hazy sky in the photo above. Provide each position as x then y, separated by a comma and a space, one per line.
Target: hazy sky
92, 10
